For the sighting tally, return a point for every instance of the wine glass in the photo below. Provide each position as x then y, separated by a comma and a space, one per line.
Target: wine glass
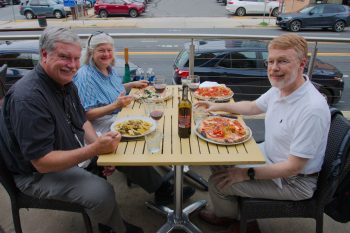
155, 109
159, 85
193, 83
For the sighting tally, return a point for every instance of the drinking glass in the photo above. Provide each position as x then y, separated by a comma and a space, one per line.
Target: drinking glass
193, 82
199, 113
153, 141
154, 108
159, 84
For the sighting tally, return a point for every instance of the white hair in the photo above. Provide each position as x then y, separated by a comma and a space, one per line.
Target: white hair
93, 42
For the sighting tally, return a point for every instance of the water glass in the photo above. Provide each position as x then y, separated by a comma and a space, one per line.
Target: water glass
193, 83
185, 81
153, 141
199, 114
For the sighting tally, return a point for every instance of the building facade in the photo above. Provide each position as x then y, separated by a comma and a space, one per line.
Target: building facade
295, 5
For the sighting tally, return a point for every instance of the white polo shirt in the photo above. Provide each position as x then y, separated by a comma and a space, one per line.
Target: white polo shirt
297, 125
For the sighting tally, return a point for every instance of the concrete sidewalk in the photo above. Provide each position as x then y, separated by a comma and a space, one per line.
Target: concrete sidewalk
144, 22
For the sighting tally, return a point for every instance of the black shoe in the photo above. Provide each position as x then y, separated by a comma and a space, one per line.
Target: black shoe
165, 195
132, 228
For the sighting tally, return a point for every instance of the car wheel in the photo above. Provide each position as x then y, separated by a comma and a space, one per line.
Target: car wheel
58, 14
240, 11
275, 12
339, 26
103, 14
29, 15
133, 13
295, 26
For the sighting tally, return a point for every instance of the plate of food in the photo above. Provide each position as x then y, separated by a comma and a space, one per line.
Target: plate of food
223, 131
216, 93
134, 126
150, 93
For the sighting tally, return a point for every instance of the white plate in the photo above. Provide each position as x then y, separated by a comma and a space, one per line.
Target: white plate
224, 143
147, 119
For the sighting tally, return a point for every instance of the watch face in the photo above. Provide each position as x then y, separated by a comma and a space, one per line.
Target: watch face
251, 173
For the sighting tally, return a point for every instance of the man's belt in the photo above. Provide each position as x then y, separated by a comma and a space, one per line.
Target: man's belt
309, 175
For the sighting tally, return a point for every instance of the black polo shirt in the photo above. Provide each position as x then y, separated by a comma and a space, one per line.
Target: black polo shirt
40, 116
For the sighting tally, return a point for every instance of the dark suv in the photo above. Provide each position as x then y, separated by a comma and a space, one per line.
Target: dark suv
323, 16
240, 65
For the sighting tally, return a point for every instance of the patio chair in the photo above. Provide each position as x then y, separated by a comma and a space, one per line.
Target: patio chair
3, 70
338, 147
20, 200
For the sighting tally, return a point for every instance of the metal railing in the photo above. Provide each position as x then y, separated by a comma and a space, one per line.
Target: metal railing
195, 37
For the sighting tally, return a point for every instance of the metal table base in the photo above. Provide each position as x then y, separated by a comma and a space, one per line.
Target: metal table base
178, 218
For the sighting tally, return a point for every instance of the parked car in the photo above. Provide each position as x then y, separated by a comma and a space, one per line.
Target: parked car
104, 8
49, 8
323, 16
22, 56
243, 7
240, 65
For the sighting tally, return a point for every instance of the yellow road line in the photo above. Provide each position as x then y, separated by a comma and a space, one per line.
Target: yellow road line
175, 53
149, 53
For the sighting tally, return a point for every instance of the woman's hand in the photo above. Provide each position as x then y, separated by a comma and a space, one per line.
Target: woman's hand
139, 84
123, 101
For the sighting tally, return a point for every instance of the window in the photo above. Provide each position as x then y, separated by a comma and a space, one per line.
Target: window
333, 9
244, 60
225, 62
19, 60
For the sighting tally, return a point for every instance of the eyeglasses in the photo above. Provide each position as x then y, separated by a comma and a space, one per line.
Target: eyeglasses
279, 63
95, 34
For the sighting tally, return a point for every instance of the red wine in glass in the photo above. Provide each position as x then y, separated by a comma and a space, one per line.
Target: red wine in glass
156, 114
160, 88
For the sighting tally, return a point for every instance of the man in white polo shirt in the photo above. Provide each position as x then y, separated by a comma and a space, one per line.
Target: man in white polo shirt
296, 128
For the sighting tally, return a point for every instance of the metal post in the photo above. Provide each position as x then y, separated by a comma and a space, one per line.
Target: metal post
13, 11
178, 192
191, 58
310, 69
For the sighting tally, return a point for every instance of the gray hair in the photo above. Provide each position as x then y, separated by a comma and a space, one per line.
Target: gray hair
53, 35
93, 42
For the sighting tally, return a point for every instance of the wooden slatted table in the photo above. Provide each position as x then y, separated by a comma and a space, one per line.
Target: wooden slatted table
178, 152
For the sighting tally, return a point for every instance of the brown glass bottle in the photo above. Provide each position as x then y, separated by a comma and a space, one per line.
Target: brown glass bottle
185, 114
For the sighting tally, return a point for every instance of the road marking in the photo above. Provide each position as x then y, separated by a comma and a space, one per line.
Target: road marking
174, 53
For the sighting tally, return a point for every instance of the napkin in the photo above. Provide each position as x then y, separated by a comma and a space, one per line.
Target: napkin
209, 84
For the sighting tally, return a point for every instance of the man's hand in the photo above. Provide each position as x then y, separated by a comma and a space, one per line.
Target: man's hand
209, 106
108, 170
107, 142
123, 101
224, 178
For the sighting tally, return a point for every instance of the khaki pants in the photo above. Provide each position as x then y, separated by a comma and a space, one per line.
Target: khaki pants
293, 188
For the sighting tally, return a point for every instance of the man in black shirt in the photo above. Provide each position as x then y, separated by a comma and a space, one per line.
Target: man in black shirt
44, 128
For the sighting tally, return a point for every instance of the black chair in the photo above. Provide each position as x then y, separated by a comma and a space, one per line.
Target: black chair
20, 200
3, 70
338, 146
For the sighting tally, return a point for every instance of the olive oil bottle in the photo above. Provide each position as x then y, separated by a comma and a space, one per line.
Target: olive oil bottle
185, 111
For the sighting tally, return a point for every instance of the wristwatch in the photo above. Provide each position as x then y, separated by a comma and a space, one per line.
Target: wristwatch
251, 173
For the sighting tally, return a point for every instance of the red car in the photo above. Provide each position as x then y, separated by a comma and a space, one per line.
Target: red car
103, 8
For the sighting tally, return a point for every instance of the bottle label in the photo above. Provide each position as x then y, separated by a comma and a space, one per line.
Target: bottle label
184, 119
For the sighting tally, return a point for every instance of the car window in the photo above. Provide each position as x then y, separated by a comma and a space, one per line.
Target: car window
333, 9
119, 2
34, 2
243, 60
317, 10
182, 59
19, 60
226, 62
201, 58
